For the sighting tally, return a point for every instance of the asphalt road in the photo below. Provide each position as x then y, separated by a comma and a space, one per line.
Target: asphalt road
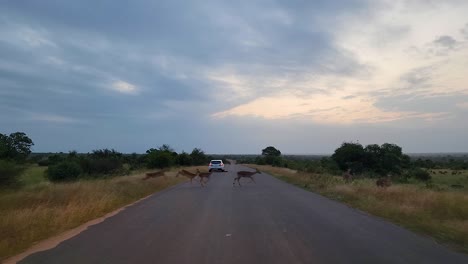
266, 222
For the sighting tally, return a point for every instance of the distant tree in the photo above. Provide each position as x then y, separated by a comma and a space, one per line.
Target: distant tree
390, 159
9, 173
350, 155
271, 151
198, 157
419, 174
161, 157
184, 159
384, 159
271, 156
166, 148
64, 171
102, 162
16, 146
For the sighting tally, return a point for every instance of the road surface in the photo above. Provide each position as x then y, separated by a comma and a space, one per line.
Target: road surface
266, 222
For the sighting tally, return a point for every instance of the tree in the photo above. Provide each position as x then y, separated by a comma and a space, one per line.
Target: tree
64, 171
198, 157
272, 156
184, 159
160, 159
102, 161
390, 159
9, 173
350, 155
16, 146
271, 151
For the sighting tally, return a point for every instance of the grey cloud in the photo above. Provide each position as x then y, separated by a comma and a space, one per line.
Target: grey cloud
446, 41
349, 97
464, 31
418, 77
434, 104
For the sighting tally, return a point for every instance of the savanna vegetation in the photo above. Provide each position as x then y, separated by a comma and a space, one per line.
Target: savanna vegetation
429, 196
42, 195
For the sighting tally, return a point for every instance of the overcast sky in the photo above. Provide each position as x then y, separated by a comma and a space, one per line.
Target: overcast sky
235, 76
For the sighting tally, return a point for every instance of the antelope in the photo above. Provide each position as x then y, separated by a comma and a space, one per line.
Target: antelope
384, 182
203, 175
245, 174
155, 174
347, 176
187, 174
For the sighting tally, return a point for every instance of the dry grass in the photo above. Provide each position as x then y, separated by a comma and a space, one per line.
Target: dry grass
442, 215
40, 211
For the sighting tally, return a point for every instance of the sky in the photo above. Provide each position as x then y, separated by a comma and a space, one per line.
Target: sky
233, 77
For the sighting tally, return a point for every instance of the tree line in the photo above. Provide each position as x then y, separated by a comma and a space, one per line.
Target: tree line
15, 150
372, 161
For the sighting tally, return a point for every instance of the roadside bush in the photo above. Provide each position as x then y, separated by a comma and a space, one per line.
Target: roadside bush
104, 166
199, 157
9, 173
64, 171
184, 159
159, 159
100, 162
43, 163
419, 174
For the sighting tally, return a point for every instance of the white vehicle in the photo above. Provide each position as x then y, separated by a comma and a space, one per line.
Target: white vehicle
216, 165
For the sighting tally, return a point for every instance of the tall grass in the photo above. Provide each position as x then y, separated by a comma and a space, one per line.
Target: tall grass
442, 214
38, 212
33, 175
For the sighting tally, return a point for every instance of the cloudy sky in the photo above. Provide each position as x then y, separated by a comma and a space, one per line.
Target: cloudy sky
235, 76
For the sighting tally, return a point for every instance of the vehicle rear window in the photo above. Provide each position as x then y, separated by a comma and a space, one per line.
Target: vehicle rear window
215, 162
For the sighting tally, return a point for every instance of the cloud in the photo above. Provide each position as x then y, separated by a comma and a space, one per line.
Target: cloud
52, 118
125, 87
464, 31
446, 41
325, 109
463, 105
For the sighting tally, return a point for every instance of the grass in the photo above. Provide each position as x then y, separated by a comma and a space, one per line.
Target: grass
33, 175
441, 214
42, 209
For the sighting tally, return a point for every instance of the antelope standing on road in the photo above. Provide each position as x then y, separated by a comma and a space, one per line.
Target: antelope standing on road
155, 174
203, 175
187, 174
245, 174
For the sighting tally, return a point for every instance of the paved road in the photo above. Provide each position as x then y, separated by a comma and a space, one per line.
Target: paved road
266, 222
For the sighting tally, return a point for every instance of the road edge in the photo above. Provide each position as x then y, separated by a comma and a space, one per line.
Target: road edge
54, 241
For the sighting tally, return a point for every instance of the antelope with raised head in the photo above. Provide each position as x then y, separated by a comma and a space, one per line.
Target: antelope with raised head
187, 174
245, 174
155, 174
203, 175
384, 182
347, 176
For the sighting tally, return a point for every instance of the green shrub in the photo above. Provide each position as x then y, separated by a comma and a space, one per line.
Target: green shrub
64, 171
104, 166
9, 173
419, 174
160, 159
184, 159
43, 163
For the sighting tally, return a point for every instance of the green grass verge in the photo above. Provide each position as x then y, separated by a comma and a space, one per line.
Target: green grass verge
42, 209
33, 175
